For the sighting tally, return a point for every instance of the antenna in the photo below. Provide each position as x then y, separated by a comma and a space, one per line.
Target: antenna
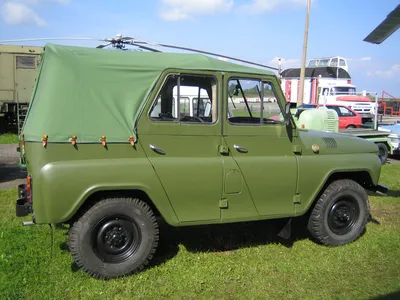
120, 41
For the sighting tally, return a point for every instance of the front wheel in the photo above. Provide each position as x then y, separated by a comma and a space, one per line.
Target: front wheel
383, 152
115, 237
340, 214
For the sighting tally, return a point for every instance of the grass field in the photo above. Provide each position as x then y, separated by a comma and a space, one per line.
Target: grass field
8, 138
216, 262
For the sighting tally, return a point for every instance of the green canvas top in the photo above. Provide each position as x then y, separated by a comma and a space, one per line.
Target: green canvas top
89, 92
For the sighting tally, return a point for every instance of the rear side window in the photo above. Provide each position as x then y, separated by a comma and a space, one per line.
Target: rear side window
177, 100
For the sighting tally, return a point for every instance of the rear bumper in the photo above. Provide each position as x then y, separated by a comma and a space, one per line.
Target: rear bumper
22, 206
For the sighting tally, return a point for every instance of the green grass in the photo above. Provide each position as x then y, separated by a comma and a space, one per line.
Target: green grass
9, 138
240, 261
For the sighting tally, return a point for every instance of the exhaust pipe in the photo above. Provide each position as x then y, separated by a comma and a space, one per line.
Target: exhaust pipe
28, 223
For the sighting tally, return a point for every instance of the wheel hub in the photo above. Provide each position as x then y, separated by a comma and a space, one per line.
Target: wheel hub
115, 239
343, 216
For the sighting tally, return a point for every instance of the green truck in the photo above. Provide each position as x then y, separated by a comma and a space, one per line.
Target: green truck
126, 154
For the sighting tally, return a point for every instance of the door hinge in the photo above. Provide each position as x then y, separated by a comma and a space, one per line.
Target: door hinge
296, 199
297, 149
223, 149
223, 203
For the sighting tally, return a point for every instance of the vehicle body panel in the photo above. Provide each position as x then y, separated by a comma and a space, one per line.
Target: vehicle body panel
336, 153
63, 177
192, 171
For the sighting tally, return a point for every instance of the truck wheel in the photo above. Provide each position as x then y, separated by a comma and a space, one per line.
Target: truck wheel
115, 237
340, 214
383, 152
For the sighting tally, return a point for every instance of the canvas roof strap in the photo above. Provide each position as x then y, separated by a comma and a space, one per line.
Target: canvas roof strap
73, 140
103, 140
44, 140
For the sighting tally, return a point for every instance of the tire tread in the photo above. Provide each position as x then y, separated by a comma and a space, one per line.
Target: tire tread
76, 228
315, 224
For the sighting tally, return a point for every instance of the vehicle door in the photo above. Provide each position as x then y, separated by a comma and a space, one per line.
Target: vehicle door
183, 147
260, 142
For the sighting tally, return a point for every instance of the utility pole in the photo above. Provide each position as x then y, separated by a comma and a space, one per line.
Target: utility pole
300, 96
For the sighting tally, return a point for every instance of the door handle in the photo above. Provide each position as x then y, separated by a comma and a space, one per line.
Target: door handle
240, 148
156, 149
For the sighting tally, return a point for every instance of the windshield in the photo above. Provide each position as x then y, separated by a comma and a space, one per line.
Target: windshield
343, 90
323, 63
313, 63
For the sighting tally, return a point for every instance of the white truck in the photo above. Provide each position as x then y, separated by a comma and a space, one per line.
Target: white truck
326, 84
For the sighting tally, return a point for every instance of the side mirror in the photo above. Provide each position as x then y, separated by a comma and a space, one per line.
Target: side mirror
207, 109
236, 91
287, 112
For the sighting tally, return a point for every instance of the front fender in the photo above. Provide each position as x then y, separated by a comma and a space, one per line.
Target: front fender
315, 171
61, 187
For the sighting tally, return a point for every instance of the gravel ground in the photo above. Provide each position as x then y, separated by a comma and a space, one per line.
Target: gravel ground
10, 173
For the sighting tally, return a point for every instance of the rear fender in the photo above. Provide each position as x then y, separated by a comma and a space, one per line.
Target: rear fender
61, 188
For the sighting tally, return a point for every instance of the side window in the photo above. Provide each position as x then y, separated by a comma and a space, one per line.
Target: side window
342, 63
251, 101
177, 100
345, 112
25, 62
184, 106
335, 108
271, 109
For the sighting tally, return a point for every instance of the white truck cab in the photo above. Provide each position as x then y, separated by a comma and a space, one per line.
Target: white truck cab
345, 94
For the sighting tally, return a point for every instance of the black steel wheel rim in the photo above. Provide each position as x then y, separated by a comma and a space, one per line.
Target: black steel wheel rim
343, 215
116, 238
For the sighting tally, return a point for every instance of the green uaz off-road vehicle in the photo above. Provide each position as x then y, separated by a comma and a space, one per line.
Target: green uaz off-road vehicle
184, 137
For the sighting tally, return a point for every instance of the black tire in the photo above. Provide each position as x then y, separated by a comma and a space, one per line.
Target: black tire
383, 152
111, 223
351, 126
341, 200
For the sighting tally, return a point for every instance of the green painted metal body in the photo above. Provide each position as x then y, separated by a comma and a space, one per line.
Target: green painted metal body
371, 135
200, 178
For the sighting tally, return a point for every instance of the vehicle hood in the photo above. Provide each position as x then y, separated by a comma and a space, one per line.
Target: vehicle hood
335, 143
395, 128
353, 98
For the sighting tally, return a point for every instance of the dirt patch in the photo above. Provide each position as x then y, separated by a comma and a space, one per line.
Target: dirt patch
11, 176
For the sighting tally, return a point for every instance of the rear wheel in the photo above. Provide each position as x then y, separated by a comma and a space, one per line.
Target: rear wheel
340, 215
351, 126
115, 237
383, 152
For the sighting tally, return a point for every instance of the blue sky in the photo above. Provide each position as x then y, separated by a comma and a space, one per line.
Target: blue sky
257, 30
